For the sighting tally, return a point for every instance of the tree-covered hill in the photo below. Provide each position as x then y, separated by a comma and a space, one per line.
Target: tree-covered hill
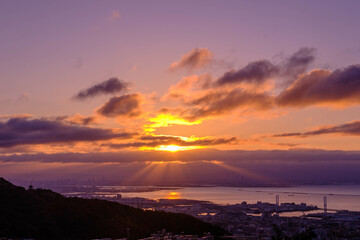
43, 214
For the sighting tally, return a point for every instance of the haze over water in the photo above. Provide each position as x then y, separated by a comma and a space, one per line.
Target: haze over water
339, 197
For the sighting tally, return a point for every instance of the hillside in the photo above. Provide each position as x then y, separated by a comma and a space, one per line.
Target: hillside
43, 214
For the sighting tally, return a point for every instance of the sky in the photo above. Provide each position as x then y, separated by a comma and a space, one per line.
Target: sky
89, 88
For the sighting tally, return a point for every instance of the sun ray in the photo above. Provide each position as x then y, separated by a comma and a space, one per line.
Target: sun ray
141, 174
244, 172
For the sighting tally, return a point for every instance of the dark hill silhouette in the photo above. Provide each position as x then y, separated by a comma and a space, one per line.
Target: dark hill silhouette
43, 214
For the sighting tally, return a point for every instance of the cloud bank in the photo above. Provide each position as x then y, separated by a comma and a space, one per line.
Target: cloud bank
255, 72
152, 141
352, 129
203, 166
20, 131
223, 102
340, 87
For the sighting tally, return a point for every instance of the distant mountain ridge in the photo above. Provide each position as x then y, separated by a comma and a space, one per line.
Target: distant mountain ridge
44, 214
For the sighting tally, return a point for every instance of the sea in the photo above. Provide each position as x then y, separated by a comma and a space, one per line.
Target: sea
339, 197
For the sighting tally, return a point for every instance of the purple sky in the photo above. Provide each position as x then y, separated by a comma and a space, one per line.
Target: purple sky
151, 74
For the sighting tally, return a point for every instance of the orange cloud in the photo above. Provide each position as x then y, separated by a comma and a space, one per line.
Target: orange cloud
165, 120
128, 105
195, 59
21, 115
215, 103
185, 87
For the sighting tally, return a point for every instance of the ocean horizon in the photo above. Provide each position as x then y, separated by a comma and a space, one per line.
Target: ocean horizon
339, 197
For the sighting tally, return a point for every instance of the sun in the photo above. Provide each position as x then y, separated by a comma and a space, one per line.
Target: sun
170, 148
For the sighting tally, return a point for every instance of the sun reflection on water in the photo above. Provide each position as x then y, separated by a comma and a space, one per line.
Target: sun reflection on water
173, 195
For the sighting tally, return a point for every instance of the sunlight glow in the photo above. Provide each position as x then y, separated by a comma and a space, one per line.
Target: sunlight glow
170, 148
165, 162
173, 195
165, 120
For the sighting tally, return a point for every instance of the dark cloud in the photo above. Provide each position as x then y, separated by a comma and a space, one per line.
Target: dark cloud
211, 98
157, 138
111, 86
255, 72
340, 87
260, 71
218, 103
286, 144
155, 141
352, 128
127, 105
210, 142
203, 97
298, 62
196, 58
19, 131
318, 87
287, 135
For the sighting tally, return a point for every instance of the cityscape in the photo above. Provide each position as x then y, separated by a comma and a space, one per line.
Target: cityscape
260, 220
243, 220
